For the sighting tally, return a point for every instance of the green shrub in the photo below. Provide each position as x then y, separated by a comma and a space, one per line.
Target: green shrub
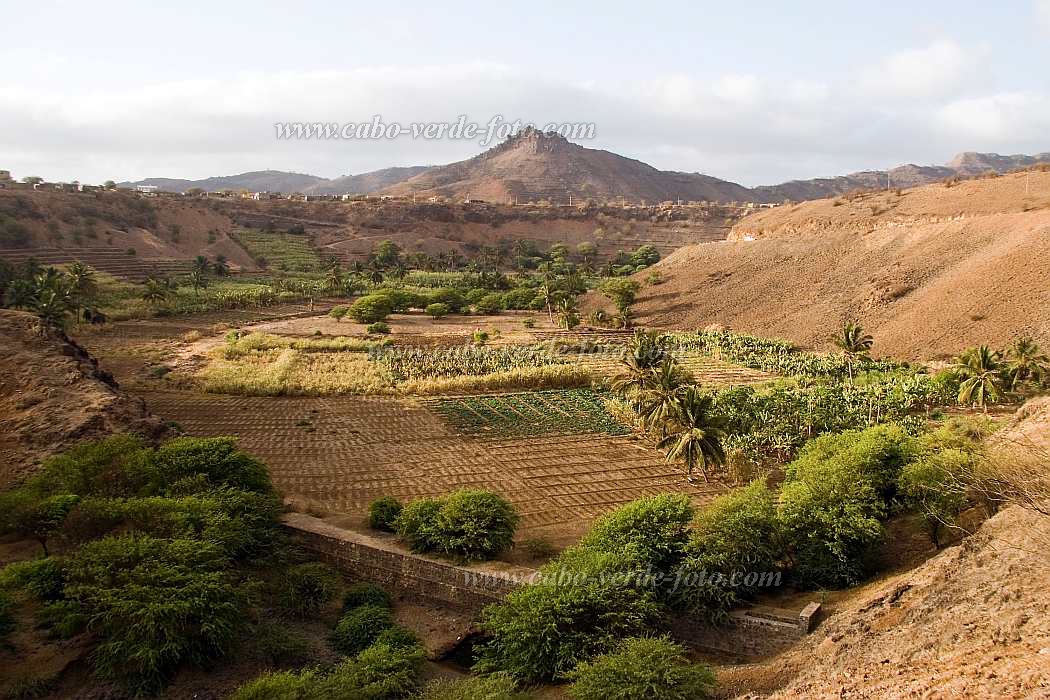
44, 579
475, 295
490, 303
309, 588
437, 310
416, 524
655, 669
217, 458
831, 522
398, 637
519, 299
154, 605
339, 312
281, 685
529, 323
380, 672
475, 525
452, 298
737, 536
360, 627
932, 486
541, 632
371, 308
402, 300
378, 328
38, 517
361, 594
651, 530
874, 455
383, 512
497, 686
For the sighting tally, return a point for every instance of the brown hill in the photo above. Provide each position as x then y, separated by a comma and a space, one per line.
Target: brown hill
534, 166
53, 396
928, 272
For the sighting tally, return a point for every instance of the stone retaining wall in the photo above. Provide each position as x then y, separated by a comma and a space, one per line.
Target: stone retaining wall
754, 632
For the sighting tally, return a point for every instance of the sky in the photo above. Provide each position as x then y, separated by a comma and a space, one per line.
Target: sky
755, 92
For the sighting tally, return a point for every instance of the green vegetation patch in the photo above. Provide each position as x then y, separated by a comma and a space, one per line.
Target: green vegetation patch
530, 413
282, 251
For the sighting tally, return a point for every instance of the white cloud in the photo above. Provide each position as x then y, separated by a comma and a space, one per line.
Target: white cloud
1042, 11
926, 73
916, 106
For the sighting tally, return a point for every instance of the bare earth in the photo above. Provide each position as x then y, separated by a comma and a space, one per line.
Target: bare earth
928, 273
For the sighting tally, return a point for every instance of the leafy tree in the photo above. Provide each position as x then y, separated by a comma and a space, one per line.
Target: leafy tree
32, 179
621, 292
855, 345
371, 308
437, 311
981, 372
651, 531
695, 432
736, 535
220, 267
37, 517
386, 255
651, 668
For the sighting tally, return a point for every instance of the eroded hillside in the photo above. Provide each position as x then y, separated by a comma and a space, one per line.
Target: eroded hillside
927, 271
53, 396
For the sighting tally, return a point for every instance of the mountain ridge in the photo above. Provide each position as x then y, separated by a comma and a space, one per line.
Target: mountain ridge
536, 166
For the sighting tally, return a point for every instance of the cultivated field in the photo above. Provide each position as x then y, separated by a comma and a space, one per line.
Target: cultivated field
339, 453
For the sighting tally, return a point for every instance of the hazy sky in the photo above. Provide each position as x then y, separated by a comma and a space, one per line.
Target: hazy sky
756, 92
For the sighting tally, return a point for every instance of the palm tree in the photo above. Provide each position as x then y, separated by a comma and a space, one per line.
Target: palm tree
1025, 363
696, 432
220, 267
334, 278
644, 352
82, 286
201, 264
854, 343
155, 292
664, 387
568, 313
549, 294
198, 280
980, 370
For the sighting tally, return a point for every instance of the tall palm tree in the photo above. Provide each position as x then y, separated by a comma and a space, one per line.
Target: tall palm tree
334, 278
854, 343
201, 265
696, 433
82, 286
980, 370
1024, 362
568, 313
198, 280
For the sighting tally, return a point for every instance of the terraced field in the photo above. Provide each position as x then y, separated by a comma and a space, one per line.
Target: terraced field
706, 370
529, 413
342, 452
281, 251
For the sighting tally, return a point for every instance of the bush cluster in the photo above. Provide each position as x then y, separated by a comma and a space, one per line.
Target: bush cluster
468, 524
651, 668
151, 540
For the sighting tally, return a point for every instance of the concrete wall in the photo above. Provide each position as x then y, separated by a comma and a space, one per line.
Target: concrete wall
754, 632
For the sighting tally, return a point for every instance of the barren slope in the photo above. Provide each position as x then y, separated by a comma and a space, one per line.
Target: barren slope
53, 396
533, 166
928, 272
